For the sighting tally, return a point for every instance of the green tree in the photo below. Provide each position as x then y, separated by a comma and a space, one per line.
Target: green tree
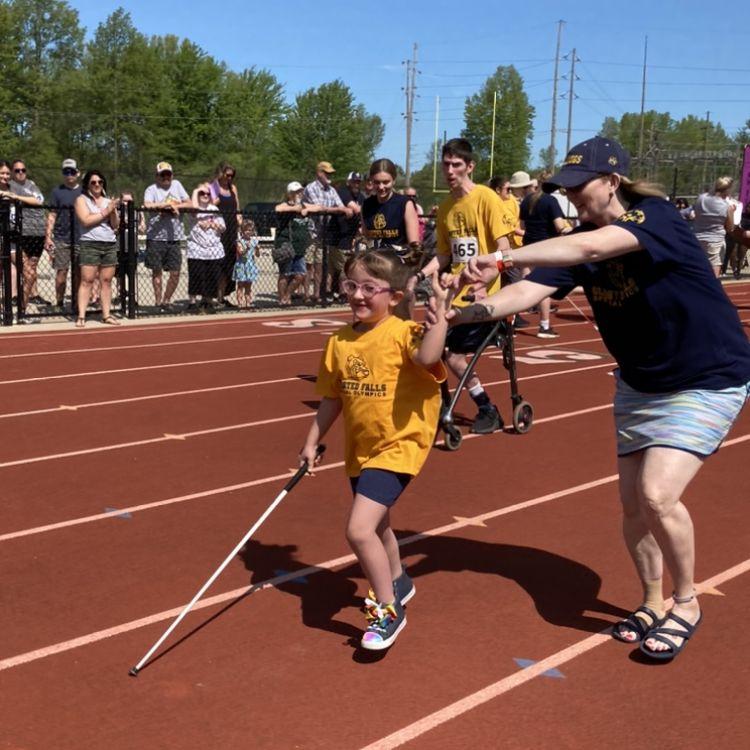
325, 123
48, 41
513, 123
684, 155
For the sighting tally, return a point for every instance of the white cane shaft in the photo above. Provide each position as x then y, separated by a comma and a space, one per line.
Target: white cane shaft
208, 583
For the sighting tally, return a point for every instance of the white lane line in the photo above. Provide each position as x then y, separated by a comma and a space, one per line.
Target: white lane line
163, 344
112, 402
89, 373
505, 685
148, 441
231, 488
100, 635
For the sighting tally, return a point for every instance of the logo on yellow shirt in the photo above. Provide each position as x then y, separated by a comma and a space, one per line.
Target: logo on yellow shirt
356, 367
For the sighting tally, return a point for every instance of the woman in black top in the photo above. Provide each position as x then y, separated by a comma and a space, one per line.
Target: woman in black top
225, 196
683, 363
387, 217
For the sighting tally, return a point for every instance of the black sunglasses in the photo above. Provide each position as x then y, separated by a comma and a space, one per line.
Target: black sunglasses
203, 193
19, 170
165, 174
68, 171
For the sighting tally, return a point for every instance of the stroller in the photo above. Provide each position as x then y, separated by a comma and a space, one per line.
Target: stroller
499, 334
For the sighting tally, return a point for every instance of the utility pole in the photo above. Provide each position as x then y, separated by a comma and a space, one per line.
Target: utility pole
571, 96
411, 77
492, 146
705, 151
551, 164
643, 104
436, 144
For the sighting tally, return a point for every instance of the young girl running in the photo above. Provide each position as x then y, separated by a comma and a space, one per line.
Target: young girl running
383, 373
245, 268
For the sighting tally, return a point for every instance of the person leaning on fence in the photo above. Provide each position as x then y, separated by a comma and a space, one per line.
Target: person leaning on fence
320, 192
225, 196
31, 241
164, 232
347, 227
8, 218
294, 236
58, 241
205, 251
683, 363
714, 218
99, 219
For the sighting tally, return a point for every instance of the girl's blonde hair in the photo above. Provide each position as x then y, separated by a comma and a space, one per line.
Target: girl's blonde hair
249, 224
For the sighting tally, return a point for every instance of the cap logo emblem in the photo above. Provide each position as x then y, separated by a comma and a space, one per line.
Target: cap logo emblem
612, 160
574, 159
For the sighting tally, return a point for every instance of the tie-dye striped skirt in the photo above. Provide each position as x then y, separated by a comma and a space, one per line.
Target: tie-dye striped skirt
696, 421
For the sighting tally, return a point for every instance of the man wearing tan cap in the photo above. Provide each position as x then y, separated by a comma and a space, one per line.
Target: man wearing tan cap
320, 192
164, 199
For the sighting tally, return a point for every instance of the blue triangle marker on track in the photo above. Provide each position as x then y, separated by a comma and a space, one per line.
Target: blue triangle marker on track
119, 514
281, 572
556, 673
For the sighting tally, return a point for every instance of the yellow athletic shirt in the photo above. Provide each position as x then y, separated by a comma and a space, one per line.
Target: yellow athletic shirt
390, 404
477, 216
512, 219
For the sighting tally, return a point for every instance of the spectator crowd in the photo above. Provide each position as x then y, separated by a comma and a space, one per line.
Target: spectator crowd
309, 235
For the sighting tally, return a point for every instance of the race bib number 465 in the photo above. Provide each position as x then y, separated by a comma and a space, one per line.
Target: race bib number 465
463, 249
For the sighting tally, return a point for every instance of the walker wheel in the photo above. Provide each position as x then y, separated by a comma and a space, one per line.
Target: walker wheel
453, 438
523, 417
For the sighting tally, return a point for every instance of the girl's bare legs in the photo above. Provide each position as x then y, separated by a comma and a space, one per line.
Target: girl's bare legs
367, 533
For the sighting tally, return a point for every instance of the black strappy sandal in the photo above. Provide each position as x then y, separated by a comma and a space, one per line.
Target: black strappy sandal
659, 633
636, 624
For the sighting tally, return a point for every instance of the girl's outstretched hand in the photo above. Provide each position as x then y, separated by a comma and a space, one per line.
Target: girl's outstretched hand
442, 294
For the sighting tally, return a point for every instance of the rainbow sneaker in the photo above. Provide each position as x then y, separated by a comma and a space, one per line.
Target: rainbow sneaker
404, 588
384, 623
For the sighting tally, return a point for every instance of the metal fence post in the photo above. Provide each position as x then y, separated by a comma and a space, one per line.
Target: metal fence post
131, 257
7, 268
18, 230
75, 268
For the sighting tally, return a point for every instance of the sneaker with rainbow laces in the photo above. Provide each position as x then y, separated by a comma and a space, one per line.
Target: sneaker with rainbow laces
384, 623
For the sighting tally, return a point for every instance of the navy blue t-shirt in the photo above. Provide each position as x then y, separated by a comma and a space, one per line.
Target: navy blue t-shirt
63, 199
538, 214
661, 312
385, 222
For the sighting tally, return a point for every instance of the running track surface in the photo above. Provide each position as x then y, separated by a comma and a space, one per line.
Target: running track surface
135, 459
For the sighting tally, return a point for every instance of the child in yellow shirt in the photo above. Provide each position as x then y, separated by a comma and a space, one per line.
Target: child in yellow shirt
384, 375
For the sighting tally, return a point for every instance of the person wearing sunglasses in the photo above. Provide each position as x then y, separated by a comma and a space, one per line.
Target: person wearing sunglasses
683, 361
57, 238
8, 218
99, 219
205, 252
33, 221
225, 196
164, 232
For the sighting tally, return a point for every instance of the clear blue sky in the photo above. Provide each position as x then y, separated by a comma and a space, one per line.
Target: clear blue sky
697, 54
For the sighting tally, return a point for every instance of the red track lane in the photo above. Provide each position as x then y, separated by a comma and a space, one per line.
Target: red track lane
275, 669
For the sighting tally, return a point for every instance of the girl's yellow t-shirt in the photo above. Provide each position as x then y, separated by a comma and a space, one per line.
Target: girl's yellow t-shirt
391, 405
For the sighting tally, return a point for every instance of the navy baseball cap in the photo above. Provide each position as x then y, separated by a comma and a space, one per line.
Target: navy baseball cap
587, 160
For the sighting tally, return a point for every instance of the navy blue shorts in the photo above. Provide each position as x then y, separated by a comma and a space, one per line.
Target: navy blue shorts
380, 485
